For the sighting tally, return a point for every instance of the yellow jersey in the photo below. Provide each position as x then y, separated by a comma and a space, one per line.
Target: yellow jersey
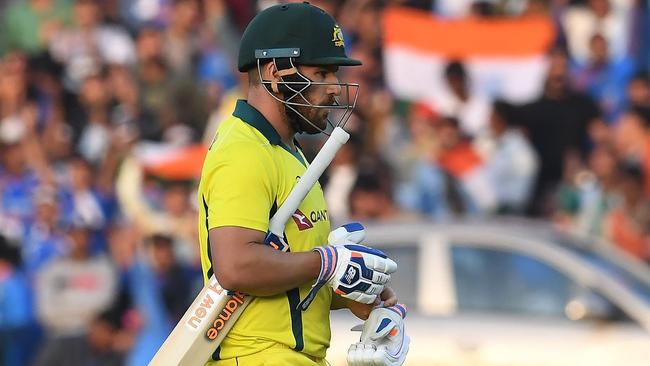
247, 174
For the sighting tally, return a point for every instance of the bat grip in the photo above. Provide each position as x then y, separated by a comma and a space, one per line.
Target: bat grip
307, 181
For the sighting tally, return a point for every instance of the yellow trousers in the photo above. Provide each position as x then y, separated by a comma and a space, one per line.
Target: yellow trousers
279, 355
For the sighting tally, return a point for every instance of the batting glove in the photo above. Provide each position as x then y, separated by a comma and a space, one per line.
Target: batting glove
354, 271
383, 340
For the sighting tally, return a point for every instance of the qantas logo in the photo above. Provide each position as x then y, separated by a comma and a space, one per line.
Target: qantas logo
301, 220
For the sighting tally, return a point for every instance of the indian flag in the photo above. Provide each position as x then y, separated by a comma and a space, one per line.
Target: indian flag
504, 57
171, 162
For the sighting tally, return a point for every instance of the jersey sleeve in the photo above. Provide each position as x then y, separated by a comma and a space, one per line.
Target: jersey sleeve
238, 187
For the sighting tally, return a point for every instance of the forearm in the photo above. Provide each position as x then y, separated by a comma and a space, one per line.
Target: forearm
262, 271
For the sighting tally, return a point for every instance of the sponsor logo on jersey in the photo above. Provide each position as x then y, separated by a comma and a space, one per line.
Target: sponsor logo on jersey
319, 215
301, 220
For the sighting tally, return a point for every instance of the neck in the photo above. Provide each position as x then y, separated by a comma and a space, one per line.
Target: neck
462, 95
273, 111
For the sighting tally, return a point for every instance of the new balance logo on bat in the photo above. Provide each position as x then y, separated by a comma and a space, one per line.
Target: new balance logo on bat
301, 220
204, 307
231, 306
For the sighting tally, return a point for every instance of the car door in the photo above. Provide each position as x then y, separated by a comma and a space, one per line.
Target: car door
511, 310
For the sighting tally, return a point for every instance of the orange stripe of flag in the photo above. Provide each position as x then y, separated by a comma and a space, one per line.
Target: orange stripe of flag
469, 37
184, 164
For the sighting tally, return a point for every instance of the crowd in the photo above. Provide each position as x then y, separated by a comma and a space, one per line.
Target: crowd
98, 248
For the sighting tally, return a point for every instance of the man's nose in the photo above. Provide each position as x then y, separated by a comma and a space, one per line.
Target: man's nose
334, 88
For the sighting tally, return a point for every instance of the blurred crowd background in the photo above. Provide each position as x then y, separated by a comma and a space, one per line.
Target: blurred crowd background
107, 107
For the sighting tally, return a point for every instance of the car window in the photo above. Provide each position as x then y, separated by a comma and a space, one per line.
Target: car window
623, 276
488, 280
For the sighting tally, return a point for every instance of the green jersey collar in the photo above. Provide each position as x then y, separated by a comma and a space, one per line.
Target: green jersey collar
253, 117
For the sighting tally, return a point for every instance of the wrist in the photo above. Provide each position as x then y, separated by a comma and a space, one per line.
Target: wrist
314, 265
327, 256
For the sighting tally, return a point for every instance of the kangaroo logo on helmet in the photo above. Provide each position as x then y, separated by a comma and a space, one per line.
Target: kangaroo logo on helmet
337, 37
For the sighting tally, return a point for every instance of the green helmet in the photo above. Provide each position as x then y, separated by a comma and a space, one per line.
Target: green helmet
296, 34
301, 31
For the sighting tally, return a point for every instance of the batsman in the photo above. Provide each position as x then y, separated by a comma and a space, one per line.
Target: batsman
291, 53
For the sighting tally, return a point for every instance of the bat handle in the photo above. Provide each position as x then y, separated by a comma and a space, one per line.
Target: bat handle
307, 181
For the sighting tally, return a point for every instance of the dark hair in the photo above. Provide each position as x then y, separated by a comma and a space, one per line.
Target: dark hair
505, 110
450, 121
9, 252
368, 182
160, 240
455, 68
254, 77
642, 75
643, 113
631, 172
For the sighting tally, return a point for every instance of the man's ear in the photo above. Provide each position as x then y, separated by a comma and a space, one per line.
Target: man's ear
270, 72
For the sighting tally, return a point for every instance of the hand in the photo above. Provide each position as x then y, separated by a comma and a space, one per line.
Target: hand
383, 340
354, 271
387, 298
276, 242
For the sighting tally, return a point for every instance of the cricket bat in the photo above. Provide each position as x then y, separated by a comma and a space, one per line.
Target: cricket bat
213, 313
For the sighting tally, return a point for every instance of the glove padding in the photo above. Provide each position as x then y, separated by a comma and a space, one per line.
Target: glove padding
383, 340
354, 271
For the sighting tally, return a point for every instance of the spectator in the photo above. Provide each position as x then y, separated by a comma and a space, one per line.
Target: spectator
17, 182
588, 196
173, 217
632, 140
97, 348
44, 239
448, 178
611, 19
558, 123
629, 137
457, 158
513, 164
603, 78
30, 24
89, 201
154, 83
160, 289
101, 339
173, 99
70, 293
629, 222
179, 43
370, 200
93, 123
471, 110
129, 112
19, 333
638, 90
87, 45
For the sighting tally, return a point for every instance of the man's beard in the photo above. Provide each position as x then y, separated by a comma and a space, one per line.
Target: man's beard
317, 117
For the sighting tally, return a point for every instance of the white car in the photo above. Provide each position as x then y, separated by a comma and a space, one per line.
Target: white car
514, 293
